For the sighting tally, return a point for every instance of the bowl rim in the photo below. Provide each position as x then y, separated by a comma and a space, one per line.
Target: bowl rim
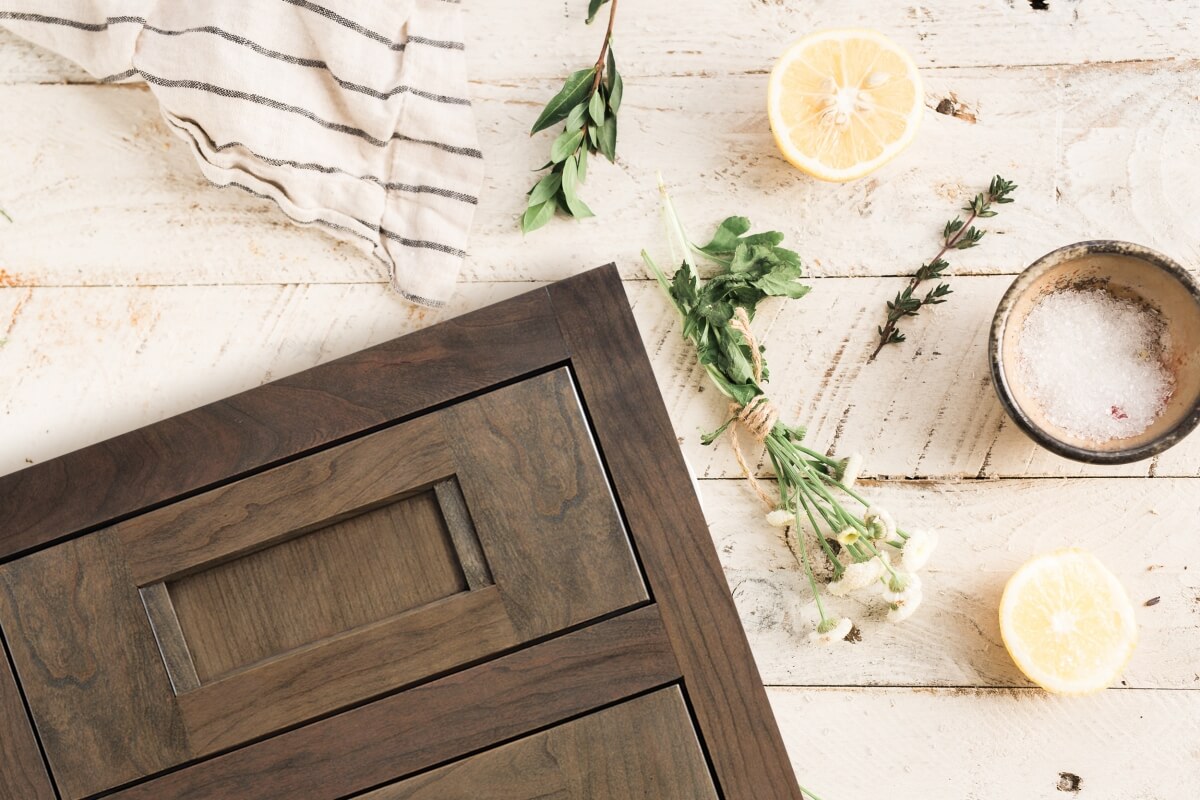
1020, 285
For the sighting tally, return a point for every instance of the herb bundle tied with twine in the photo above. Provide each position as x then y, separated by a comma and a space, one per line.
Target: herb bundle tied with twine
864, 547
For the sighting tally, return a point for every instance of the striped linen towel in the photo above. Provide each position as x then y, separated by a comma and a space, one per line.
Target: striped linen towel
351, 115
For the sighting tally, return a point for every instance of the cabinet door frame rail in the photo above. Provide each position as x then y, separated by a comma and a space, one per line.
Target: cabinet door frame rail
688, 634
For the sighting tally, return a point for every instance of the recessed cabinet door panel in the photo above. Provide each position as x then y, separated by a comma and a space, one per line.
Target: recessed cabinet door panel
642, 748
317, 585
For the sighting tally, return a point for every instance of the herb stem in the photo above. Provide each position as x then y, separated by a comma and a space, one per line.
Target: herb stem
612, 17
950, 243
956, 235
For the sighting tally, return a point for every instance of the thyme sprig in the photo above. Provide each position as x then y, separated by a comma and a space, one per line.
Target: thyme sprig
817, 492
958, 234
588, 103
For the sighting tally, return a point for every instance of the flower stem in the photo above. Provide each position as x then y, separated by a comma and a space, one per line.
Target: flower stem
810, 794
812, 581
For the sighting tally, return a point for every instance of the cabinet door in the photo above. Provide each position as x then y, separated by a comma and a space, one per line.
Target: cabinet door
344, 575
642, 748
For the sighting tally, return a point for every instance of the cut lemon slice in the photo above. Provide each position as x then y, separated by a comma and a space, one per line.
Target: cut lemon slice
1067, 622
844, 102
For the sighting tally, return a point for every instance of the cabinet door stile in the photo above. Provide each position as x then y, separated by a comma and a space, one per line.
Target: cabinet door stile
23, 773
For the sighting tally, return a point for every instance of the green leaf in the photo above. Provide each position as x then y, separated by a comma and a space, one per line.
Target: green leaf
594, 137
683, 288
596, 108
727, 237
583, 159
574, 90
708, 438
544, 189
782, 283
615, 84
536, 216
594, 7
608, 138
576, 117
570, 184
565, 145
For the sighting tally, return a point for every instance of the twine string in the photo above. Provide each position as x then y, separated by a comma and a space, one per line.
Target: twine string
758, 417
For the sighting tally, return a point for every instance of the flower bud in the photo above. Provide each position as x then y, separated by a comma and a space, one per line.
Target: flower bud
780, 518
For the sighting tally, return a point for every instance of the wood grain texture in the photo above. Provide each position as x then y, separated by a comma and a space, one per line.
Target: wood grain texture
346, 669
925, 409
698, 38
82, 645
994, 744
361, 570
1142, 529
390, 738
323, 490
631, 750
1104, 148
541, 504
1099, 150
46, 502
458, 522
684, 573
24, 775
168, 635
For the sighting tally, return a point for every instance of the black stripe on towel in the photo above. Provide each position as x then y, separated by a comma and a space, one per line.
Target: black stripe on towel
345, 22
263, 101
335, 226
239, 40
449, 148
308, 165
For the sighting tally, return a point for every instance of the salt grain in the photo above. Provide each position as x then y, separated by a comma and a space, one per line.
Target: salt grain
1093, 363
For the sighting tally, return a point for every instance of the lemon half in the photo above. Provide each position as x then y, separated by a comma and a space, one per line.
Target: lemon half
1067, 622
844, 102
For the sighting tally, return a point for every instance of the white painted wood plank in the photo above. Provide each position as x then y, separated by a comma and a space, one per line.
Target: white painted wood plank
24, 62
925, 408
80, 365
860, 744
506, 42
1100, 152
1143, 529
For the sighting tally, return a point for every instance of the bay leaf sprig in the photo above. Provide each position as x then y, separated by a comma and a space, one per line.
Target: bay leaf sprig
587, 104
957, 234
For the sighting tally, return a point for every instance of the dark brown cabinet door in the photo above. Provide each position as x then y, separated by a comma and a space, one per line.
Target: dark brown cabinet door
317, 585
438, 598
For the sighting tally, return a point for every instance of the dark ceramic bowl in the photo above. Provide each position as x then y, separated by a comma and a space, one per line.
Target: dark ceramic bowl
1125, 270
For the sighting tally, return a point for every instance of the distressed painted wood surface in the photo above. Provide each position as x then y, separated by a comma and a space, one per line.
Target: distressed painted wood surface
131, 290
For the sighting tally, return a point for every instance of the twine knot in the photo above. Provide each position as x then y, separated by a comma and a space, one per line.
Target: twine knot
760, 414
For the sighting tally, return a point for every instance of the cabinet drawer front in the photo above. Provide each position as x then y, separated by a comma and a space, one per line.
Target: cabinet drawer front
317, 585
641, 748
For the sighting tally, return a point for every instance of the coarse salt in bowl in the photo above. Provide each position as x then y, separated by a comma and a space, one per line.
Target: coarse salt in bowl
1095, 352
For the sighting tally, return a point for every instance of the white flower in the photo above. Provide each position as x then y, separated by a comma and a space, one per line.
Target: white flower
857, 576
918, 549
903, 609
847, 536
780, 518
831, 631
902, 585
851, 468
880, 523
